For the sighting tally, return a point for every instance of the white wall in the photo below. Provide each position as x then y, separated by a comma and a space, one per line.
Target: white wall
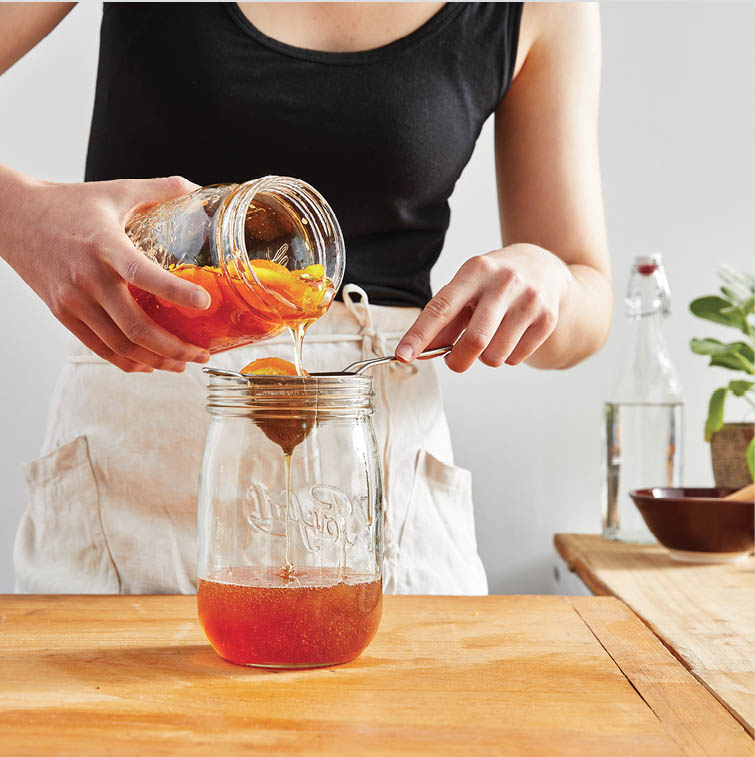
677, 127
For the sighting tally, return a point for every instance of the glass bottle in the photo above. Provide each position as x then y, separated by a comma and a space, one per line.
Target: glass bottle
290, 520
643, 419
270, 253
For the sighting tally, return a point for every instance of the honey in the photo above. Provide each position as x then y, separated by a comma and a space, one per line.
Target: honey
323, 616
240, 314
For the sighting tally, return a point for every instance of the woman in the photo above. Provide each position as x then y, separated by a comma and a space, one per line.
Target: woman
378, 106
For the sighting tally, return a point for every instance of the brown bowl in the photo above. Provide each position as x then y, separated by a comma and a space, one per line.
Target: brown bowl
696, 524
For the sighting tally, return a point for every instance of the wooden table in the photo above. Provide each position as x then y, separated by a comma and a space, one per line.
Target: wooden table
705, 614
478, 675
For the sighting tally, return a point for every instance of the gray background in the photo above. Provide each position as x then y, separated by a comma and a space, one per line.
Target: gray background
676, 135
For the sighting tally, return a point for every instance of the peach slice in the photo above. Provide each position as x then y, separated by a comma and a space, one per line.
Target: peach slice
204, 277
270, 366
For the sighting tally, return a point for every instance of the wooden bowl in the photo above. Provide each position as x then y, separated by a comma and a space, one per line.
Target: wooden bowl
696, 525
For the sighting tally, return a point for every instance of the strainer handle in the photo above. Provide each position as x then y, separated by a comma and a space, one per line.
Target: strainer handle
362, 365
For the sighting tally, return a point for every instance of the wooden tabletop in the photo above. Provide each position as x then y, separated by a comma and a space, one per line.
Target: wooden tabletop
705, 614
482, 675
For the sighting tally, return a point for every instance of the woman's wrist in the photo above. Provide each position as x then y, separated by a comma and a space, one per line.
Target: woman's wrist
15, 188
583, 321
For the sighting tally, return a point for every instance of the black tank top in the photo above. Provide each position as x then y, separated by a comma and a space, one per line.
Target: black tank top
195, 89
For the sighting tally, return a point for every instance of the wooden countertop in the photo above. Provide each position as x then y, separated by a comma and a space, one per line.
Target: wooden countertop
705, 614
483, 675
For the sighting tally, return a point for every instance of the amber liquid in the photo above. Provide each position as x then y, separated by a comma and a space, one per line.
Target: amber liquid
321, 617
239, 314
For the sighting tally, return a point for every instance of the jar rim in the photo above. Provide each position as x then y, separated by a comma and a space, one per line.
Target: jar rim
322, 225
348, 394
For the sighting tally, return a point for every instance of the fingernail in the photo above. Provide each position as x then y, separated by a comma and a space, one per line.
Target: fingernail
201, 299
201, 357
405, 352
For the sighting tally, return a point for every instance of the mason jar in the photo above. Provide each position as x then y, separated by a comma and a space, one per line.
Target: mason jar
269, 252
290, 520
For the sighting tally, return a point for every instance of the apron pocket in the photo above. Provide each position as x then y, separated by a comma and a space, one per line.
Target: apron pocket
437, 546
60, 546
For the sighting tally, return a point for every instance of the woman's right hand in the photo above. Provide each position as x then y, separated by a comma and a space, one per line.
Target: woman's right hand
67, 242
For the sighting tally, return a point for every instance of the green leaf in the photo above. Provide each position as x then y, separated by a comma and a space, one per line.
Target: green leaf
747, 307
708, 347
738, 388
718, 310
750, 455
738, 280
734, 362
715, 418
745, 350
731, 295
737, 356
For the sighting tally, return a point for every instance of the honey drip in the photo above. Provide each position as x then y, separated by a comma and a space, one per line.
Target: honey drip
297, 333
297, 430
286, 432
288, 570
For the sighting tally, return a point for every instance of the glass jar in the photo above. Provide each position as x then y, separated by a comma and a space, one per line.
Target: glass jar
269, 252
290, 520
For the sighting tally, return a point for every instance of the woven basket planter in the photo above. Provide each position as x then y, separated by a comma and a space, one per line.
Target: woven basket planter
727, 451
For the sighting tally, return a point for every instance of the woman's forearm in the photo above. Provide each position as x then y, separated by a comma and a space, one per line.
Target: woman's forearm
584, 320
549, 171
23, 25
12, 188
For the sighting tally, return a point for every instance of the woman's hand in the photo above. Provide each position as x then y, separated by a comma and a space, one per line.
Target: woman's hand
67, 242
552, 309
504, 304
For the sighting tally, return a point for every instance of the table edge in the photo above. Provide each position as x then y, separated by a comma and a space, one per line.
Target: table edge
578, 563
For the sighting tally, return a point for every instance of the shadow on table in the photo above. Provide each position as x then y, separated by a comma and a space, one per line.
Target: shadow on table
650, 561
171, 664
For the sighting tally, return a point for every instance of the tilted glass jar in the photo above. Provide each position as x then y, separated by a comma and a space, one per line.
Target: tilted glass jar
290, 520
270, 253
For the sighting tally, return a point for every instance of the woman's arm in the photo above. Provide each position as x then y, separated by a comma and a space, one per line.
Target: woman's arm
23, 25
549, 188
545, 297
67, 242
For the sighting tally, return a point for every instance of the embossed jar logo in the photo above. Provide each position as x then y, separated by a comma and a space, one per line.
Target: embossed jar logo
322, 514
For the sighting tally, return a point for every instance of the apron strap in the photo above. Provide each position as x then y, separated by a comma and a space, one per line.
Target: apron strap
374, 345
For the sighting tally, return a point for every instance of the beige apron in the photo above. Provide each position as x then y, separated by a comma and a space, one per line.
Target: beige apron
112, 500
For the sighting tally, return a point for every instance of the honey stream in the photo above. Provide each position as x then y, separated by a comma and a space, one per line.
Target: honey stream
288, 571
297, 333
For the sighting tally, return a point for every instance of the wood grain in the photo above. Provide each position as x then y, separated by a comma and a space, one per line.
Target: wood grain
705, 614
482, 675
687, 711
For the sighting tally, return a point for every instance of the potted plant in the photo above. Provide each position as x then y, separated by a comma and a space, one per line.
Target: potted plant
732, 444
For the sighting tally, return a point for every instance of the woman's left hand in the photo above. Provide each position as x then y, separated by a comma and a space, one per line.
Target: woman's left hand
499, 307
552, 309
